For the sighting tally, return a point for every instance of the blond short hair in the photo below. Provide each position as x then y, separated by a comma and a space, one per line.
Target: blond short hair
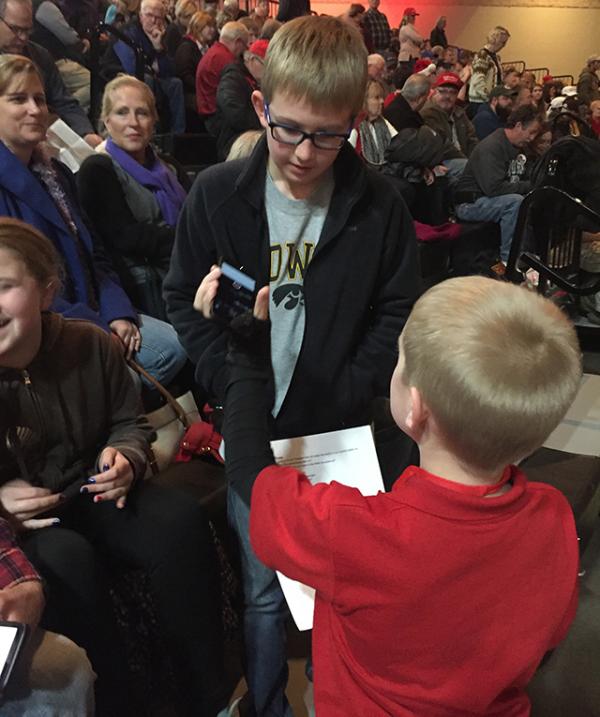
320, 59
496, 364
497, 33
184, 11
117, 83
244, 145
13, 66
232, 31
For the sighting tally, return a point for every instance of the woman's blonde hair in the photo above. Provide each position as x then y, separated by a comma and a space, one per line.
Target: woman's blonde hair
496, 364
198, 22
13, 66
333, 61
31, 247
126, 81
184, 11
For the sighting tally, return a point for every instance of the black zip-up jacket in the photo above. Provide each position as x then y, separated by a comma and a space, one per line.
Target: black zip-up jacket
75, 398
358, 288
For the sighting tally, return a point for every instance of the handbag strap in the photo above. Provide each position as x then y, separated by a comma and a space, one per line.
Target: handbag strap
169, 398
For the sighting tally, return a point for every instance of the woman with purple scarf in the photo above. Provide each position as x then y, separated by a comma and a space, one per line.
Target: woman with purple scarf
131, 195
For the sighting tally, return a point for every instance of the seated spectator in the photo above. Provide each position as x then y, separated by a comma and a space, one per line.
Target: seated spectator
68, 49
522, 97
231, 10
493, 114
252, 27
41, 191
595, 117
184, 10
450, 58
289, 9
376, 67
372, 137
487, 69
235, 113
230, 46
404, 109
511, 79
464, 69
378, 27
437, 36
147, 31
539, 145
260, 14
443, 115
537, 98
269, 29
201, 33
143, 192
53, 675
492, 185
528, 79
245, 144
19, 14
588, 85
75, 489
409, 618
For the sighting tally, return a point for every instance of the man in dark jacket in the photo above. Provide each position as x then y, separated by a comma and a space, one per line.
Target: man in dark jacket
403, 110
148, 32
492, 185
16, 25
492, 115
235, 113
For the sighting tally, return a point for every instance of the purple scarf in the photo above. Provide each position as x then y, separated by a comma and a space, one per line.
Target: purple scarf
158, 178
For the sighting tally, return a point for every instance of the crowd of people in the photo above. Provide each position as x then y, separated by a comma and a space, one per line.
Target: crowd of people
338, 139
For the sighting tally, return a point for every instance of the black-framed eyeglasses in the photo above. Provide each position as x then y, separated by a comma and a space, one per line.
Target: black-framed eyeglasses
293, 136
23, 32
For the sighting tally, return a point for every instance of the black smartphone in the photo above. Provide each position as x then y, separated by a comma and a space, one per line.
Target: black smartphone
235, 295
12, 639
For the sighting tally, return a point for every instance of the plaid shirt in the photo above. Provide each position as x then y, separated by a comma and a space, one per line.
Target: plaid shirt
379, 27
14, 566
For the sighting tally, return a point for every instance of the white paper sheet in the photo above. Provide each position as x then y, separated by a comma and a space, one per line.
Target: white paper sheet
346, 456
72, 150
579, 431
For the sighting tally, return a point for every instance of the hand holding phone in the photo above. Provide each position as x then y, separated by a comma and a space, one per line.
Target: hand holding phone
235, 294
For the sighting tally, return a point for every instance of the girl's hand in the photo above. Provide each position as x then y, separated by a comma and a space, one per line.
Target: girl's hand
129, 334
115, 480
24, 502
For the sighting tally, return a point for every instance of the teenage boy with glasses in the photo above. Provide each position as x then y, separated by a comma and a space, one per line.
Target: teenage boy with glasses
335, 243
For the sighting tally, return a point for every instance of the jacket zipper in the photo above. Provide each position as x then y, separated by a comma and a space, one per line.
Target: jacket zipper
35, 402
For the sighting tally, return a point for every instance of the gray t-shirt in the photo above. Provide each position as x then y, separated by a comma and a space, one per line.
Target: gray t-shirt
295, 226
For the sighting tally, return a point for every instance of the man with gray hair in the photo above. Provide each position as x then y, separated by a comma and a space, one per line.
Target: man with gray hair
230, 46
148, 32
403, 110
588, 85
16, 25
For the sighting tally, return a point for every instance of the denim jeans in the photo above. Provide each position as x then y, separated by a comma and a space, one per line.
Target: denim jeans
455, 169
160, 354
503, 209
264, 622
173, 89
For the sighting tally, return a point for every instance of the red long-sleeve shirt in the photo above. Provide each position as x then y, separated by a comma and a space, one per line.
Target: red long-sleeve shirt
432, 600
208, 73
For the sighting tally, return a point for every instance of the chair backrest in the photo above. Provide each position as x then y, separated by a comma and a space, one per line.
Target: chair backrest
565, 79
548, 238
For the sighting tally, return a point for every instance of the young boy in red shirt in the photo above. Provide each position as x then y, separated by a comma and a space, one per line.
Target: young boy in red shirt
440, 598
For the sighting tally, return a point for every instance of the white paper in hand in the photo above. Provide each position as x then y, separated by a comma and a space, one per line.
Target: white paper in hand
347, 457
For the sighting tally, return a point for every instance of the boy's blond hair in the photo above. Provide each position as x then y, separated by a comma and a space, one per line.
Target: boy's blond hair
497, 365
318, 59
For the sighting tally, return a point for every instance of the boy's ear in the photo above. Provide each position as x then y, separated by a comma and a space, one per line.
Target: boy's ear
258, 102
418, 414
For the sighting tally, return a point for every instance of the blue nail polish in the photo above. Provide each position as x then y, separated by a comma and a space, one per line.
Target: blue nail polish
105, 467
83, 489
91, 480
56, 521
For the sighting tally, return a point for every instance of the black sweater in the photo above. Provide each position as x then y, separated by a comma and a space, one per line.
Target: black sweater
359, 287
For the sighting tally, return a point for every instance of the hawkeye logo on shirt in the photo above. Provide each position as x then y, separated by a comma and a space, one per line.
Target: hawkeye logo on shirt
286, 262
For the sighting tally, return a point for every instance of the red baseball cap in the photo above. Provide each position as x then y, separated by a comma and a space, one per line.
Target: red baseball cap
421, 64
259, 48
409, 11
450, 79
